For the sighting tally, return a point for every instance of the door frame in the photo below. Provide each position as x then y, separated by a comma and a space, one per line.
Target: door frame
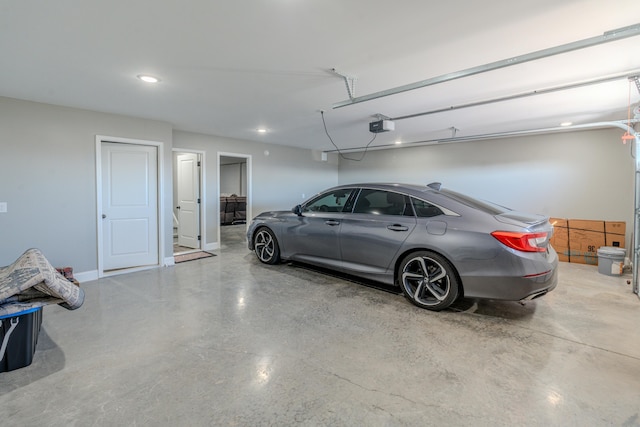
248, 158
203, 194
100, 139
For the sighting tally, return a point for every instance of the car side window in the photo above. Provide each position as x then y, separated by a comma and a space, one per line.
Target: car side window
425, 209
332, 201
379, 202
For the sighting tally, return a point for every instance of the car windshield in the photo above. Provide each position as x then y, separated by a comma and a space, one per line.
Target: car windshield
488, 207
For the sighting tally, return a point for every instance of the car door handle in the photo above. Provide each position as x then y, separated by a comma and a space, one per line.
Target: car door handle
332, 222
397, 227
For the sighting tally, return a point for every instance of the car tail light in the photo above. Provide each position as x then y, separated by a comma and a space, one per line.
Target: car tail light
526, 242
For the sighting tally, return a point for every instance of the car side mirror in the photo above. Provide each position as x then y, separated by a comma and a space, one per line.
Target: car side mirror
297, 210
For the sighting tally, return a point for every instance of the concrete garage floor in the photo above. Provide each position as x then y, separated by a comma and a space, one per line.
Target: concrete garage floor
229, 341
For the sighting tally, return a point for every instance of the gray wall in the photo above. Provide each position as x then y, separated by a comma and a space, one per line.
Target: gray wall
48, 175
48, 178
232, 179
581, 175
279, 178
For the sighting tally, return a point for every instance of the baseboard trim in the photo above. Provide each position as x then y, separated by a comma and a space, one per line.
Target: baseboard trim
86, 276
211, 246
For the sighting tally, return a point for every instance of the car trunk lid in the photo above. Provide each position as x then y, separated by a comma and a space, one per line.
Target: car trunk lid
526, 220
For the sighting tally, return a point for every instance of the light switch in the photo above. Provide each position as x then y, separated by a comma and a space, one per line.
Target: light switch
3, 207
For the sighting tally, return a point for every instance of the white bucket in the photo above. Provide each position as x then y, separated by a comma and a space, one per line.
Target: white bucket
611, 260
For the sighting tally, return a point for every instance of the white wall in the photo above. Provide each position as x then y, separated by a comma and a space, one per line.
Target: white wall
280, 175
581, 175
48, 178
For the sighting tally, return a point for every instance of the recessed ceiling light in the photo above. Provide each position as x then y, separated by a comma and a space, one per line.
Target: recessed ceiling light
566, 123
261, 130
147, 78
398, 142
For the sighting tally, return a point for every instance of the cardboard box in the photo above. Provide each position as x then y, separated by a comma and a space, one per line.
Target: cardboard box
615, 240
586, 225
615, 233
584, 245
559, 222
615, 227
578, 240
563, 254
560, 238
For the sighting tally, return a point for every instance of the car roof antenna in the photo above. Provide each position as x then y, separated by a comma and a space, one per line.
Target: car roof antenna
435, 185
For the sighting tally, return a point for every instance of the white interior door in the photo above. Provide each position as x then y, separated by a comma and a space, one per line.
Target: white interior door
188, 200
129, 205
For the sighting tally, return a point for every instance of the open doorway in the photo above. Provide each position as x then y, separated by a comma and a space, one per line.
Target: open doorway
235, 198
188, 201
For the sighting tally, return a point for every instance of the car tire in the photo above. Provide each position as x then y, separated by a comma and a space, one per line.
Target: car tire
265, 245
428, 280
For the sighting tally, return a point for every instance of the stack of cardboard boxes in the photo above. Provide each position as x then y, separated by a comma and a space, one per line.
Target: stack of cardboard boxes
578, 240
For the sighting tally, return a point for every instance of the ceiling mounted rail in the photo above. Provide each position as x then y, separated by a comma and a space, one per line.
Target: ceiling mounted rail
349, 82
621, 124
599, 80
608, 36
636, 80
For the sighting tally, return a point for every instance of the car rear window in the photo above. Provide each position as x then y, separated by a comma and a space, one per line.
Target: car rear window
488, 207
425, 209
381, 202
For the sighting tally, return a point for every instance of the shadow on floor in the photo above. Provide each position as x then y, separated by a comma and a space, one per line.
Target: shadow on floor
47, 360
512, 310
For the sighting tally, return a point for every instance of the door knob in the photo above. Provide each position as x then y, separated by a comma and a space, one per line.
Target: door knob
103, 216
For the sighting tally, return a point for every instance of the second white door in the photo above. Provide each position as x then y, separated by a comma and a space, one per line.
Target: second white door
188, 200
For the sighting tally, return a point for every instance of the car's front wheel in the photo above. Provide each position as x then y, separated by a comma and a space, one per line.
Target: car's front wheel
266, 246
428, 280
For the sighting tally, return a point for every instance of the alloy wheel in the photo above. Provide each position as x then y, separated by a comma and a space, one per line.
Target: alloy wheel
428, 281
266, 246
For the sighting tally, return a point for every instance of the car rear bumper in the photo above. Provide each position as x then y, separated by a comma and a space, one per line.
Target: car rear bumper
518, 288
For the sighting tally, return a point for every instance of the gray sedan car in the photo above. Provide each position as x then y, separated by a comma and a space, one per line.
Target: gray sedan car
437, 245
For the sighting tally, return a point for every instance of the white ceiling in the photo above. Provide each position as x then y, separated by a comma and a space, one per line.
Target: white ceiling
228, 67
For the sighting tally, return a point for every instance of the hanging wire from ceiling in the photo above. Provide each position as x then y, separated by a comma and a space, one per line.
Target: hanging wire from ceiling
324, 123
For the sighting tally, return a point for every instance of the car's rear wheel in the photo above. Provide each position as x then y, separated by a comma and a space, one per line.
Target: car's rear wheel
428, 280
266, 246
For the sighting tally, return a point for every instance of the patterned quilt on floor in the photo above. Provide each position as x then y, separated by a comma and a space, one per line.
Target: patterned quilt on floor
32, 282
